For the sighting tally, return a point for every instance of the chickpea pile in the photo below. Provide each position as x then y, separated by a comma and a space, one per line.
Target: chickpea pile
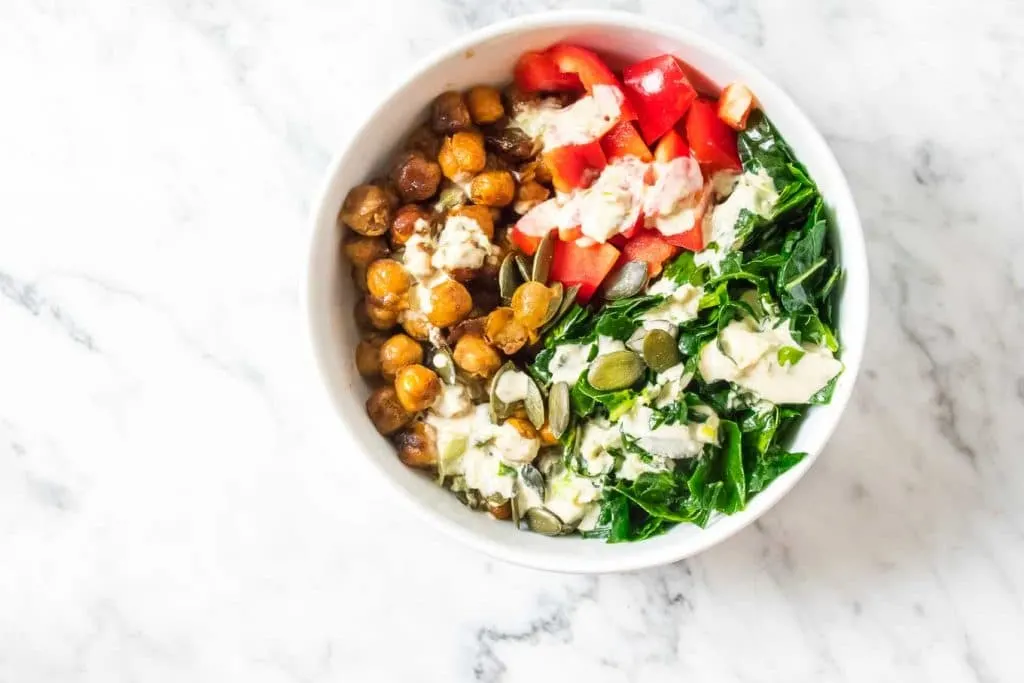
466, 161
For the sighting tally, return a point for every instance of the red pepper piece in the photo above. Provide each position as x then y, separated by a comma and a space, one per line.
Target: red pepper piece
660, 92
649, 246
591, 70
537, 72
671, 146
623, 140
583, 266
712, 142
575, 166
527, 243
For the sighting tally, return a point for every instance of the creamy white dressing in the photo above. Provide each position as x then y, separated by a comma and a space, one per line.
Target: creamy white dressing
671, 203
454, 400
461, 244
753, 192
570, 496
512, 386
613, 203
749, 358
606, 345
598, 437
669, 441
633, 466
568, 362
679, 306
583, 121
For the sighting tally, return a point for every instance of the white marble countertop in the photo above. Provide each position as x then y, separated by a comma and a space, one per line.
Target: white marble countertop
176, 501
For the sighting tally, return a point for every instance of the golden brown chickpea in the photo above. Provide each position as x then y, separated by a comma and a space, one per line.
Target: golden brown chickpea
362, 251
529, 195
504, 331
404, 224
500, 510
386, 411
530, 304
380, 318
450, 113
417, 387
493, 188
484, 103
415, 176
388, 283
398, 352
480, 214
368, 356
415, 324
417, 445
476, 357
424, 140
525, 429
462, 155
367, 209
450, 302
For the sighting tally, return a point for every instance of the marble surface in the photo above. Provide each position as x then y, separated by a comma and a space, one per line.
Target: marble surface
176, 500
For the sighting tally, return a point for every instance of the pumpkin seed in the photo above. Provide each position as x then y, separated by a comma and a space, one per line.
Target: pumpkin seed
445, 365
532, 479
568, 299
534, 404
542, 258
544, 521
508, 277
523, 264
499, 409
555, 304
514, 504
615, 371
627, 281
660, 351
558, 409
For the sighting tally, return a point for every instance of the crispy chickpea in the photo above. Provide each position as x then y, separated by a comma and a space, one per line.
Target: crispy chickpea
476, 357
504, 331
415, 324
484, 103
415, 176
404, 224
398, 352
480, 214
368, 356
367, 210
530, 304
450, 302
362, 251
386, 411
500, 510
424, 140
417, 387
417, 445
493, 188
449, 113
380, 318
524, 427
469, 326
547, 437
529, 195
388, 283
462, 155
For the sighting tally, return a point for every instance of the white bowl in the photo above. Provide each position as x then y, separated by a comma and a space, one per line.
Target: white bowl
487, 56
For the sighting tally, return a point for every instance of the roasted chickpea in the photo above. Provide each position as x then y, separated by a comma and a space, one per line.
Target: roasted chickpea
500, 510
417, 386
469, 326
492, 188
484, 103
524, 427
367, 209
417, 445
380, 318
415, 324
415, 176
529, 195
404, 224
450, 113
388, 283
362, 251
504, 331
424, 140
510, 141
516, 98
368, 356
476, 357
386, 411
462, 155
547, 437
450, 302
398, 352
480, 214
530, 304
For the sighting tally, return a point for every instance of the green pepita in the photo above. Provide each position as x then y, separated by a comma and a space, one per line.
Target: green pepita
614, 371
508, 277
660, 350
558, 409
544, 521
542, 258
627, 281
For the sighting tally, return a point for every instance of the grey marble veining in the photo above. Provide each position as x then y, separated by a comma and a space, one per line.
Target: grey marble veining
175, 499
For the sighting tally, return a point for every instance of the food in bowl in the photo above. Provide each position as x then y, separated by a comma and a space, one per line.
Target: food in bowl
595, 303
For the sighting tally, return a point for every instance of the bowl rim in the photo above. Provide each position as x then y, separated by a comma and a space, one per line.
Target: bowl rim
854, 251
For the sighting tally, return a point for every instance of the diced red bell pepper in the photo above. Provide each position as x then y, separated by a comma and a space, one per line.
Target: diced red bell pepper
693, 239
623, 140
649, 246
591, 70
671, 146
537, 72
735, 104
660, 92
712, 143
583, 266
574, 166
527, 243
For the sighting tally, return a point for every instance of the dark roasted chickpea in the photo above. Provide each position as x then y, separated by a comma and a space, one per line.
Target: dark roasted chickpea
424, 140
516, 98
386, 411
504, 331
362, 251
450, 302
510, 141
523, 426
462, 155
450, 113
368, 356
417, 445
476, 357
493, 188
388, 283
484, 103
529, 195
397, 352
499, 510
417, 386
530, 304
380, 318
415, 176
480, 214
367, 210
404, 224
